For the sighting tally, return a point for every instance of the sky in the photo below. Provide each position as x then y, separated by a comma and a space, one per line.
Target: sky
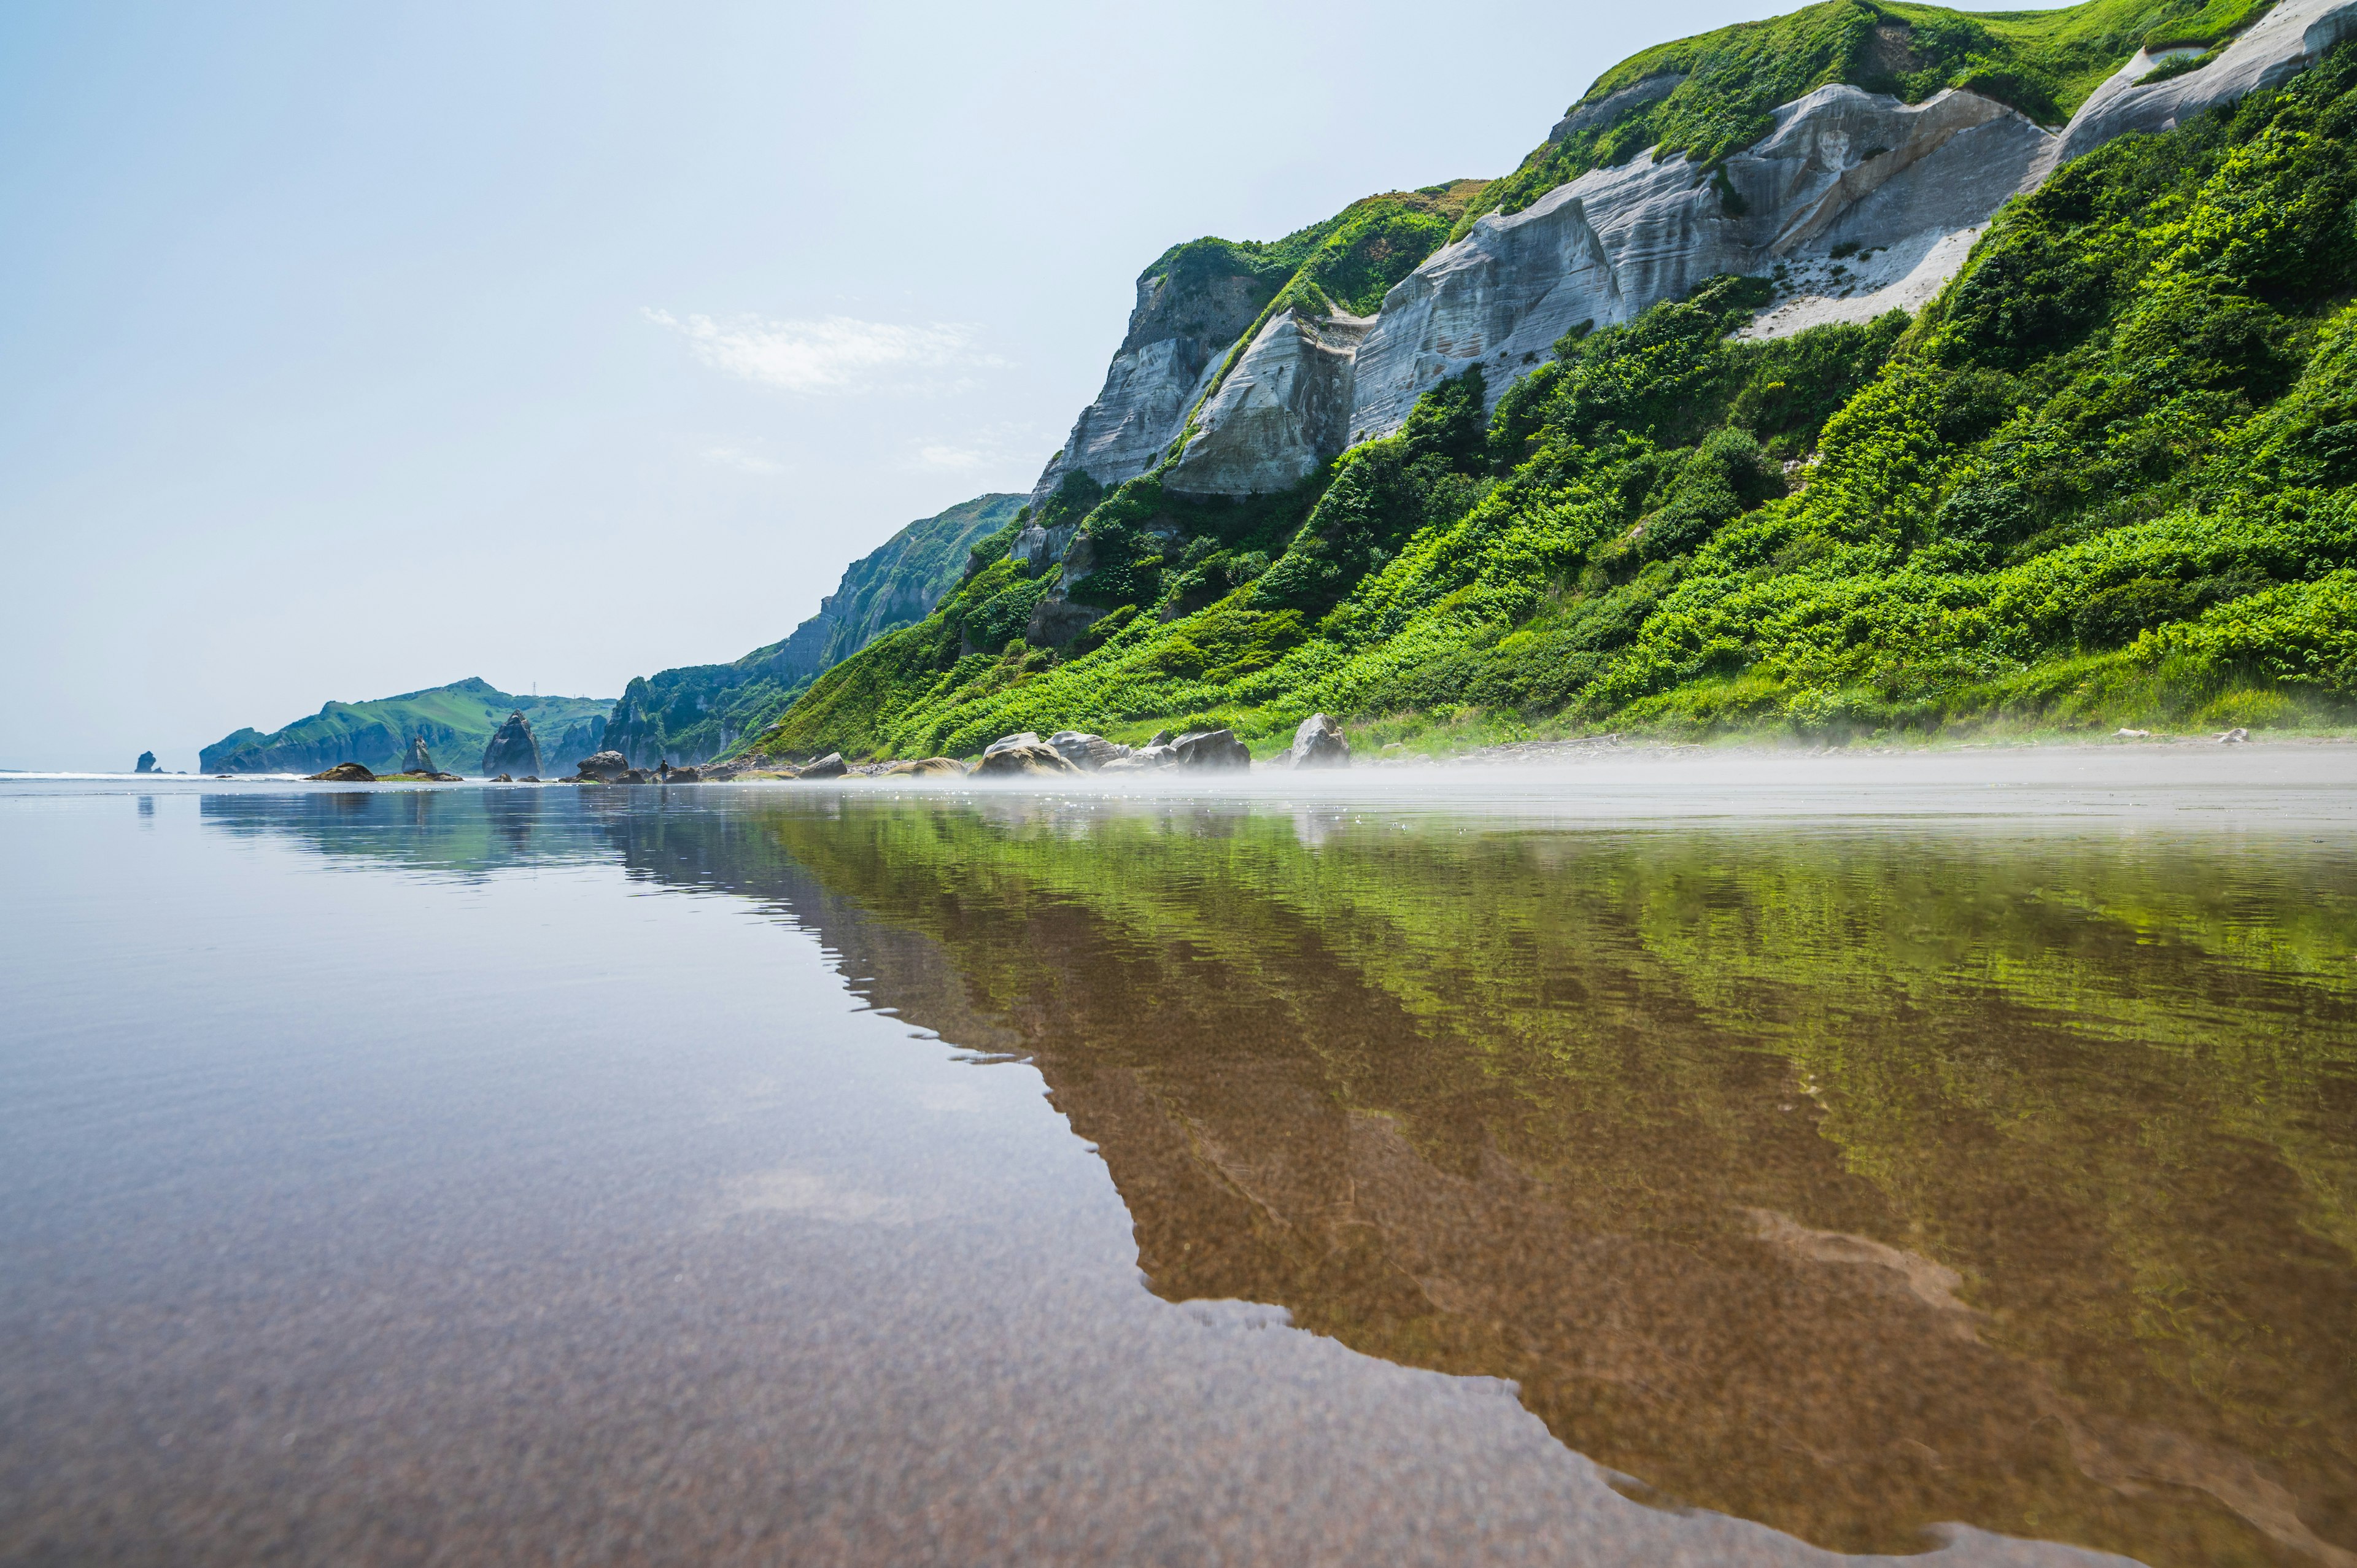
350, 351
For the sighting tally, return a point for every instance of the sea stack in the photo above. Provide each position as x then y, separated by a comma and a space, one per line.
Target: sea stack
512, 750
147, 763
418, 760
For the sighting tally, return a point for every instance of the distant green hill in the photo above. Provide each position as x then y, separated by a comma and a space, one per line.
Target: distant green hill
456, 721
694, 712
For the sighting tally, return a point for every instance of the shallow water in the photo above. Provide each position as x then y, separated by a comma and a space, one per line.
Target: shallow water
1641, 1163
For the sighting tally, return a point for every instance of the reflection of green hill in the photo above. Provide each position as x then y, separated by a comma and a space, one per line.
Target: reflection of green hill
459, 832
1847, 1182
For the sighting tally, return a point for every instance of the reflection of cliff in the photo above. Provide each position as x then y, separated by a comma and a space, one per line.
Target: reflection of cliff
1954, 1219
1851, 1185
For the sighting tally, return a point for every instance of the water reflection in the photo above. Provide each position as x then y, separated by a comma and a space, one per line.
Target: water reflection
1848, 1181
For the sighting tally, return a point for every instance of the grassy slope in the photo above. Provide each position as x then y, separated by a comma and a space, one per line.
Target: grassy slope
2105, 479
456, 721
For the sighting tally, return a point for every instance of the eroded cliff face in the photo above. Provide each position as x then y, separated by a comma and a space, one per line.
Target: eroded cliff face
1856, 202
2278, 46
1189, 313
1284, 410
1841, 167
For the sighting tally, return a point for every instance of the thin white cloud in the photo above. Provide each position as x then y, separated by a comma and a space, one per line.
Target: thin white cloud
835, 354
743, 461
992, 448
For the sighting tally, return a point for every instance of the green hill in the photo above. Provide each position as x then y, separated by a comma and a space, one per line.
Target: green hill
456, 721
2104, 478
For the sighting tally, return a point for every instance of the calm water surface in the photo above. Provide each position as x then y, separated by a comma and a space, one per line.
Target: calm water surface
1746, 1166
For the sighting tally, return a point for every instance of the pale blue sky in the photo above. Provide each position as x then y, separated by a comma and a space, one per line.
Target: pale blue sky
355, 349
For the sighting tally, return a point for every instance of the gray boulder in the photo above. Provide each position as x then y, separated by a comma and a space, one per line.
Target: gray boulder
513, 748
1085, 751
607, 766
831, 766
1212, 750
1316, 743
1020, 757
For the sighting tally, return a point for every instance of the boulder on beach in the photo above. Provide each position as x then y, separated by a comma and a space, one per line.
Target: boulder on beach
1212, 750
605, 766
1022, 756
1086, 751
503, 779
512, 749
681, 775
831, 766
345, 773
926, 767
1317, 743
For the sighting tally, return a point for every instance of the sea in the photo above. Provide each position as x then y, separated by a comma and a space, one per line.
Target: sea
1674, 1158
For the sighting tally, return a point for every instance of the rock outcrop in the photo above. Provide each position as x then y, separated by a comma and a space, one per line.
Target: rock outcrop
147, 763
1839, 167
1282, 412
831, 766
2278, 46
927, 768
605, 765
1316, 743
418, 759
344, 773
1193, 304
512, 749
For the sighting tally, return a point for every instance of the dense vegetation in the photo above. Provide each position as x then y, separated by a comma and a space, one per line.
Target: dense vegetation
456, 721
2104, 478
2043, 63
694, 712
1351, 258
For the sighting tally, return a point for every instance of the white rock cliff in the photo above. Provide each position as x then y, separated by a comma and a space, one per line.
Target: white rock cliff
1900, 190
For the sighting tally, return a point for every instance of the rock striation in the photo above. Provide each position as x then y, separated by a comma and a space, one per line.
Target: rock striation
512, 747
1282, 412
1840, 166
